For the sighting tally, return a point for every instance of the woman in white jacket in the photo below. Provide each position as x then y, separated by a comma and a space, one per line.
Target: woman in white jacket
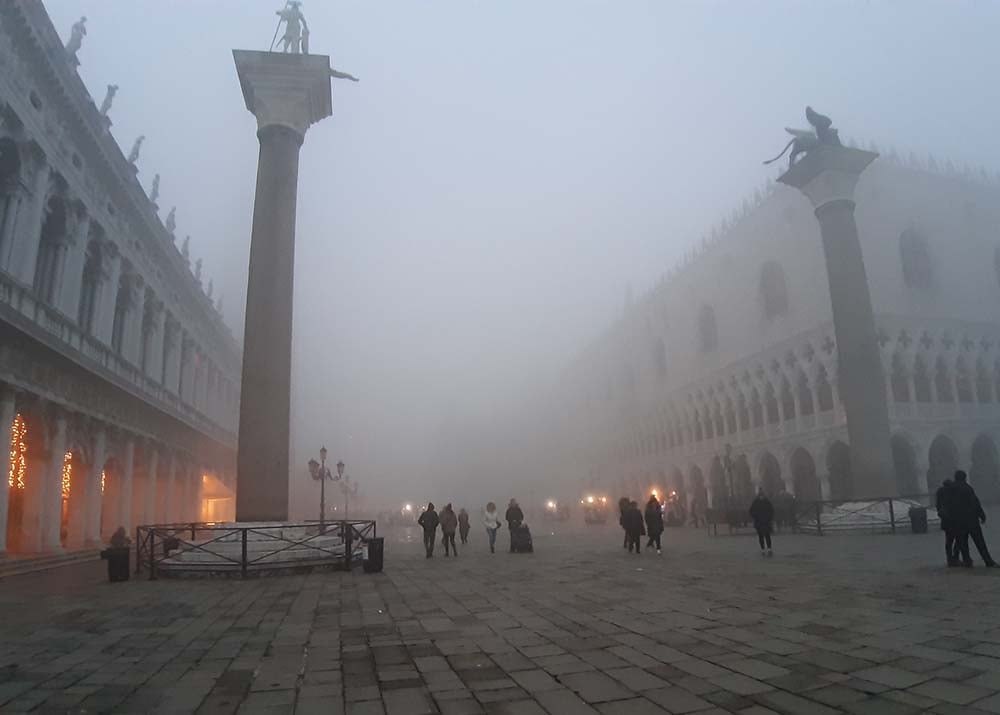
491, 520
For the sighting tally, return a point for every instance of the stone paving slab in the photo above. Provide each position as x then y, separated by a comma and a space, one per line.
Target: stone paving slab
857, 624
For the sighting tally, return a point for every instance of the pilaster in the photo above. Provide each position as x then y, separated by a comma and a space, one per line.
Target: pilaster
70, 285
125, 486
51, 513
8, 410
92, 529
152, 464
111, 272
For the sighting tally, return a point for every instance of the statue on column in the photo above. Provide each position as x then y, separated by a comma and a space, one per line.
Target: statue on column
171, 222
109, 97
803, 140
296, 37
133, 156
154, 192
76, 35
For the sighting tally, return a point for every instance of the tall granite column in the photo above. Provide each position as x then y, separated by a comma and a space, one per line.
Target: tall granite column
286, 93
827, 176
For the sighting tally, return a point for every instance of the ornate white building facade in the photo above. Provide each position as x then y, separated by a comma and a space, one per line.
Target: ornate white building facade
737, 348
119, 381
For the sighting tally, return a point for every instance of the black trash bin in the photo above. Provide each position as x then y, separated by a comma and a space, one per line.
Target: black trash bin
918, 519
118, 562
376, 554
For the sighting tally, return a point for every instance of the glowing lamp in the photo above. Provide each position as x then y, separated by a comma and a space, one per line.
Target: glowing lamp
340, 468
590, 500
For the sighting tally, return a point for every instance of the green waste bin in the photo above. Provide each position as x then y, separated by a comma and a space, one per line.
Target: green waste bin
918, 519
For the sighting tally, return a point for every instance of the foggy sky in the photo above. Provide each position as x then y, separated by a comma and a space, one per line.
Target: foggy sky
476, 207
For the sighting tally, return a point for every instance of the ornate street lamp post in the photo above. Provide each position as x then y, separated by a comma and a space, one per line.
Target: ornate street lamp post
320, 472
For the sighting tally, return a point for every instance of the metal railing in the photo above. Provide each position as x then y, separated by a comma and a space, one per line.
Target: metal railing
249, 550
882, 514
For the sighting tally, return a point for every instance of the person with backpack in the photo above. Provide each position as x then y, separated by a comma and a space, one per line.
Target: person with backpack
762, 513
514, 518
463, 525
654, 523
491, 520
634, 528
449, 522
429, 521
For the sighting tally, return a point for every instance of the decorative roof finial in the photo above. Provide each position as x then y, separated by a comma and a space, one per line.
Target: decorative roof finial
133, 156
171, 222
186, 248
109, 97
197, 270
154, 192
296, 37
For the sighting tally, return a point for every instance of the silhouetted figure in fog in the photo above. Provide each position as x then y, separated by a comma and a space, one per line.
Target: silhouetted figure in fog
449, 523
945, 503
491, 520
429, 522
623, 505
969, 514
654, 523
762, 513
463, 525
514, 518
119, 539
634, 528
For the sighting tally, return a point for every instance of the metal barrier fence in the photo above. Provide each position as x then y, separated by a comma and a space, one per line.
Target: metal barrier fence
884, 514
252, 549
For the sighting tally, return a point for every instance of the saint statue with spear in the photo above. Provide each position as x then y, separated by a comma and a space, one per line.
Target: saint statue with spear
296, 37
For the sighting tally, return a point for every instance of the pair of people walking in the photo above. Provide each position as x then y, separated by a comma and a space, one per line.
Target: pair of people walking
962, 516
449, 521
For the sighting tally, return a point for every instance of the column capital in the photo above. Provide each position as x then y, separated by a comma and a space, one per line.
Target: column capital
828, 174
285, 90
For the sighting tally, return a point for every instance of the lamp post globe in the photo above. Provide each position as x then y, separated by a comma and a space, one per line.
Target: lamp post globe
340, 468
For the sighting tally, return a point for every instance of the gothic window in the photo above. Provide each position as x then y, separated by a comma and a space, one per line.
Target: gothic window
660, 358
899, 380
708, 332
50, 249
916, 260
10, 172
89, 286
773, 290
148, 328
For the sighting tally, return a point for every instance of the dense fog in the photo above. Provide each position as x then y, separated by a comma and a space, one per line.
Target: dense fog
504, 175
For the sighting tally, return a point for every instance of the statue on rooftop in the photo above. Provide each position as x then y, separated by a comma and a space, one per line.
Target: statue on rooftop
133, 156
186, 248
803, 140
109, 97
76, 35
154, 192
296, 37
211, 287
197, 270
171, 222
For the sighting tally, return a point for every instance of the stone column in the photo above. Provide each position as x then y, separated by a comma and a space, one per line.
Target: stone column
51, 512
68, 296
154, 348
152, 464
125, 486
132, 337
28, 232
286, 93
827, 176
185, 505
92, 528
8, 410
170, 499
12, 206
111, 272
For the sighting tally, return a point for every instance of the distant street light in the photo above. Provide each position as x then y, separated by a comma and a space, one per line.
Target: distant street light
319, 472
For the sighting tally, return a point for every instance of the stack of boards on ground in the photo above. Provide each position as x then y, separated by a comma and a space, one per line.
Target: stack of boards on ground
521, 540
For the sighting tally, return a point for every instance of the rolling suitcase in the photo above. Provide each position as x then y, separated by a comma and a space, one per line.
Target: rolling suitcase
522, 540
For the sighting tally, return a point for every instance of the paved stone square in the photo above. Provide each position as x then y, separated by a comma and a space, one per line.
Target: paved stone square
859, 624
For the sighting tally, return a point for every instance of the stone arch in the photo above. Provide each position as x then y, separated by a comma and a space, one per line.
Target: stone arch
804, 479
51, 242
984, 467
773, 290
904, 460
942, 460
769, 474
838, 467
708, 330
915, 260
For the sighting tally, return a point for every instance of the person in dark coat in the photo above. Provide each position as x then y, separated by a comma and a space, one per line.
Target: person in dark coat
969, 516
634, 528
762, 513
623, 505
654, 523
514, 518
463, 525
429, 522
449, 523
944, 502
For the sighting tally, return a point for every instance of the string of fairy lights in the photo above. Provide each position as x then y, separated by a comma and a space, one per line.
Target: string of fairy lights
19, 461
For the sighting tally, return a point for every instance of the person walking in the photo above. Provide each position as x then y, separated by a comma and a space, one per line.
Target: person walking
634, 529
944, 501
429, 521
463, 525
491, 520
969, 516
623, 505
449, 522
654, 523
762, 513
514, 518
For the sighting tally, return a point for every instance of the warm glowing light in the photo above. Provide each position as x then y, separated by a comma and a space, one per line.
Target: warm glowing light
18, 451
67, 474
673, 494
590, 500
604, 500
550, 504
655, 494
408, 507
104, 478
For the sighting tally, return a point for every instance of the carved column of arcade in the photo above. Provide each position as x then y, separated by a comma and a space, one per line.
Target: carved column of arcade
51, 512
14, 201
69, 284
286, 94
184, 367
827, 176
110, 274
98, 451
76, 500
153, 335
8, 410
28, 231
132, 339
150, 484
125, 484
